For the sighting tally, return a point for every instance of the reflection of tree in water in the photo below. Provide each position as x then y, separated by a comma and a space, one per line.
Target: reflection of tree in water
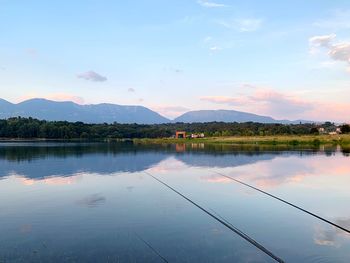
38, 160
346, 150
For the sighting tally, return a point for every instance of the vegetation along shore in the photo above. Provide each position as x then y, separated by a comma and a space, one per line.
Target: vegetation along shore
213, 132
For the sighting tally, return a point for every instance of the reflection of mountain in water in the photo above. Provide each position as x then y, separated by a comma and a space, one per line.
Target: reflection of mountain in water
39, 160
93, 163
65, 160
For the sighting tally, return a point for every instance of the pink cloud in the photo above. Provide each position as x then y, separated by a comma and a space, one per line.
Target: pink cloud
286, 105
281, 104
50, 180
266, 101
339, 112
282, 171
215, 179
225, 100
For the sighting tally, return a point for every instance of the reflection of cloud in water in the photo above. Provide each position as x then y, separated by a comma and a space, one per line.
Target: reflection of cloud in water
223, 160
324, 237
168, 165
279, 171
51, 180
93, 200
215, 178
332, 236
264, 169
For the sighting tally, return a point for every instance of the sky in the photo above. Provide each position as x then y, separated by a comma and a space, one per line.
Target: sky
285, 59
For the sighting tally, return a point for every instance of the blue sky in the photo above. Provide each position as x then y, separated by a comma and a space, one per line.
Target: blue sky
287, 59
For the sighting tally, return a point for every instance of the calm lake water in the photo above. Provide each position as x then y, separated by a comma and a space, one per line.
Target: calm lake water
96, 203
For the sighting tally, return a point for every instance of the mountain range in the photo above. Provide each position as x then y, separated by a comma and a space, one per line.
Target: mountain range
108, 113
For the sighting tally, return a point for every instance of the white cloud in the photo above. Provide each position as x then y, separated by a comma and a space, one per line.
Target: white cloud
207, 39
215, 48
242, 25
246, 25
321, 41
131, 90
92, 76
210, 4
338, 52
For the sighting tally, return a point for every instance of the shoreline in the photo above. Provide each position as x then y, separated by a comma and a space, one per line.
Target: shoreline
314, 140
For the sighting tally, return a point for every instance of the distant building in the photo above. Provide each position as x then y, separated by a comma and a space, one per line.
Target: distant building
180, 134
336, 131
197, 135
321, 130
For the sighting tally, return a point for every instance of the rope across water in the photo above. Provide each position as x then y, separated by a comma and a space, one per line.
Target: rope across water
222, 221
284, 201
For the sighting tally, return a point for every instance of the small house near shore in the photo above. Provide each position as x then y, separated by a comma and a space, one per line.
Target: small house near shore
180, 134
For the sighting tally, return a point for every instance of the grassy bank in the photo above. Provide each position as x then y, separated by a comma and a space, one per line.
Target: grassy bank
343, 139
294, 140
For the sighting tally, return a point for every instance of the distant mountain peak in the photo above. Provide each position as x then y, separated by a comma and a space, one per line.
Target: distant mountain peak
222, 116
4, 101
106, 112
67, 110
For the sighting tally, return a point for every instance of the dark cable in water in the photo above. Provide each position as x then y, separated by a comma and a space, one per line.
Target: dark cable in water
153, 249
284, 201
222, 221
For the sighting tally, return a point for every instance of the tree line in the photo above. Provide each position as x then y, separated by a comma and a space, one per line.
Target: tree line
33, 128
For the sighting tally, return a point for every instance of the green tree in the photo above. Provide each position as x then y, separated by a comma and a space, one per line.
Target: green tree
345, 128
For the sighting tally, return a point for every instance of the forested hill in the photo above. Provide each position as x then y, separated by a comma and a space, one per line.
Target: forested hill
33, 128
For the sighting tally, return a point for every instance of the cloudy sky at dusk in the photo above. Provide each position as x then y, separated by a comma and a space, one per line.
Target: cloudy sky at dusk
286, 59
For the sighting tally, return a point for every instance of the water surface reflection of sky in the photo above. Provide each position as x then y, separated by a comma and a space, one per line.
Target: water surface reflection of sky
94, 202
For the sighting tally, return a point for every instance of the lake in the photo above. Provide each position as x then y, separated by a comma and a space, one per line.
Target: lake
99, 202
